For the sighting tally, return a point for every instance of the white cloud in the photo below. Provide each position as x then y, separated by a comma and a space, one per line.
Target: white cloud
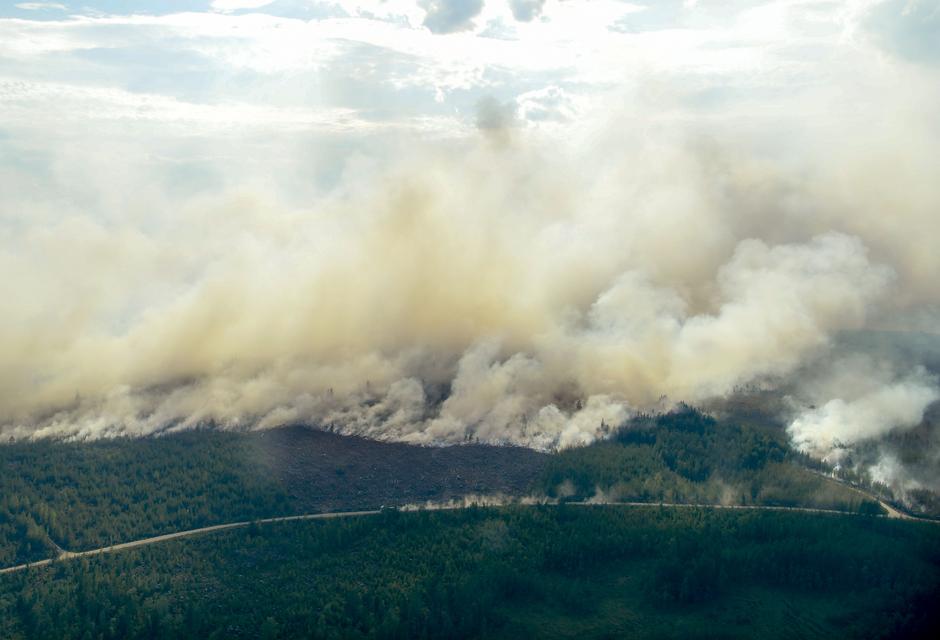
450, 16
27, 106
550, 104
39, 6
235, 5
526, 10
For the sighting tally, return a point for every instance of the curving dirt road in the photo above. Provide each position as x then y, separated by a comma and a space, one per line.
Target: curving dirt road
67, 555
892, 512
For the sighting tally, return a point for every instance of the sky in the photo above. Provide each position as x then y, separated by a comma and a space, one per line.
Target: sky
434, 220
333, 74
327, 79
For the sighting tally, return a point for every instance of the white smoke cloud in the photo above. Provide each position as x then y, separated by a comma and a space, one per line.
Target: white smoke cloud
535, 291
350, 323
889, 471
494, 293
830, 430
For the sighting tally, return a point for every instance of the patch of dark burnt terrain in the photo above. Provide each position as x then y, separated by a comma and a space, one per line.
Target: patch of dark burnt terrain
325, 471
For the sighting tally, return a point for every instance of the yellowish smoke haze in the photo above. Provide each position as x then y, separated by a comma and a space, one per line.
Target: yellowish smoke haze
507, 290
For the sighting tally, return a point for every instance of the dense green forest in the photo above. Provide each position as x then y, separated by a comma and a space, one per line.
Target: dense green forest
687, 456
572, 569
86, 495
551, 571
82, 495
90, 495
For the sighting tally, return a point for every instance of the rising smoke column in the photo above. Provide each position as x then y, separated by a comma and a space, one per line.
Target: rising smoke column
510, 283
448, 301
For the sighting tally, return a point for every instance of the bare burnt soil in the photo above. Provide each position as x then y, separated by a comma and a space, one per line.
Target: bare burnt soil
324, 471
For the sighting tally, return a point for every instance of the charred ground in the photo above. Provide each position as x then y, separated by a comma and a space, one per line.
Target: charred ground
324, 471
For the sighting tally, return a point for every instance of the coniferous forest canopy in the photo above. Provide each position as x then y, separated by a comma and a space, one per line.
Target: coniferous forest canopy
575, 569
87, 495
551, 571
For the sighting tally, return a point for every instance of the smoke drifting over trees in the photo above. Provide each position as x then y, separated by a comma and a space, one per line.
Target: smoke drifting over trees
537, 291
514, 285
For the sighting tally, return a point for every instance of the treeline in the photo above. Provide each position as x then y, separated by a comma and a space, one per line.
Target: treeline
515, 572
688, 457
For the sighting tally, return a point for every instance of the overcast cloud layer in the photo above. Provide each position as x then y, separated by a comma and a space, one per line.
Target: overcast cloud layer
431, 221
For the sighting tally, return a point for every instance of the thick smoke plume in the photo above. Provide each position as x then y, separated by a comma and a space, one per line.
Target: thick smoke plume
831, 429
498, 295
537, 291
